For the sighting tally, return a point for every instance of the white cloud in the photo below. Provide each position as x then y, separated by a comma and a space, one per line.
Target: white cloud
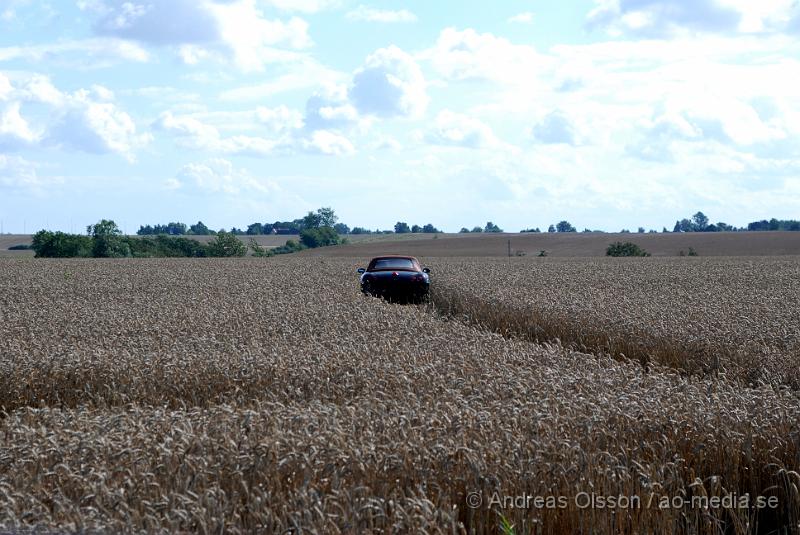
554, 128
96, 127
303, 73
292, 135
386, 143
5, 87
461, 130
707, 121
467, 54
85, 120
200, 136
38, 88
218, 175
172, 184
27, 12
370, 14
101, 92
390, 84
160, 22
330, 109
15, 132
84, 53
193, 54
304, 6
16, 172
522, 18
279, 119
200, 28
662, 18
329, 143
251, 37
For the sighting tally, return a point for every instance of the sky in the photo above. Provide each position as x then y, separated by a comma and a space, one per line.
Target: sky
608, 113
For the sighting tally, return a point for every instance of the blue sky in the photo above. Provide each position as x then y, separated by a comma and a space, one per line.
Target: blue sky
608, 113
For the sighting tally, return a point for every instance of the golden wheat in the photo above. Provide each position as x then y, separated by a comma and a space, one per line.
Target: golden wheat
256, 395
735, 317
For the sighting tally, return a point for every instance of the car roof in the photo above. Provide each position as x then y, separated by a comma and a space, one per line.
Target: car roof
394, 256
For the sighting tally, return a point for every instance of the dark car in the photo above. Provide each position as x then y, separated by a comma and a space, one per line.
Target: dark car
396, 278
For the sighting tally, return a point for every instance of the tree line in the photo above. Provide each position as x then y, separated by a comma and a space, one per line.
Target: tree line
326, 217
105, 240
318, 228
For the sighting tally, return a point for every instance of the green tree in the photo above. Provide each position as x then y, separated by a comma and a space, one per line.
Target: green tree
476, 230
327, 217
564, 226
199, 229
255, 229
226, 244
107, 240
699, 222
311, 220
401, 228
491, 227
430, 229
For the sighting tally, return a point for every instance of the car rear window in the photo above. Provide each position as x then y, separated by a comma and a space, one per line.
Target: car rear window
393, 263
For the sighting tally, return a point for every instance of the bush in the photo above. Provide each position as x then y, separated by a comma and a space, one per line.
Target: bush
21, 247
166, 246
291, 246
319, 237
48, 244
625, 249
226, 244
259, 250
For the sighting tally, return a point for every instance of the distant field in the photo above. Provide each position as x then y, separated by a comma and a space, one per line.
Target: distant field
575, 245
557, 245
10, 240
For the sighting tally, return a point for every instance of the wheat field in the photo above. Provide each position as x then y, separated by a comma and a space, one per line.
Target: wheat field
269, 395
731, 317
